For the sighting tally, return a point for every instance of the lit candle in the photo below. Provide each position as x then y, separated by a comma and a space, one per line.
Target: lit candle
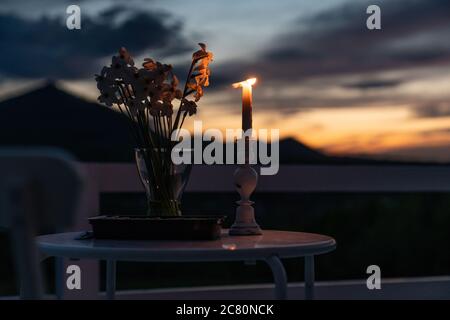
245, 177
246, 86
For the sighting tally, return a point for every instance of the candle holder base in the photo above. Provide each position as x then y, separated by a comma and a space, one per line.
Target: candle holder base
245, 230
245, 224
245, 181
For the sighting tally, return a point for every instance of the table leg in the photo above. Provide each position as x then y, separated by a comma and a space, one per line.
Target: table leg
309, 277
279, 277
110, 279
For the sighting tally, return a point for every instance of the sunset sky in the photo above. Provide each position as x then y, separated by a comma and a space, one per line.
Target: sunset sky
324, 78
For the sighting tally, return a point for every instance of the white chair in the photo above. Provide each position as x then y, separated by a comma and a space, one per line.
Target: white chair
40, 190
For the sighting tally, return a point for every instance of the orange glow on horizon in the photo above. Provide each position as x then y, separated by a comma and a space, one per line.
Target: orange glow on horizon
372, 130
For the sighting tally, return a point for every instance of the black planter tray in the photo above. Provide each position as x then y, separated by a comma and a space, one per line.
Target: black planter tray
157, 228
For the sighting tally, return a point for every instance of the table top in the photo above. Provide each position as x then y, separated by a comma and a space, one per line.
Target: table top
284, 244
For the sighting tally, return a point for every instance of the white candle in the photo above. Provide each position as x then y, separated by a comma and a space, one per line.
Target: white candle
246, 86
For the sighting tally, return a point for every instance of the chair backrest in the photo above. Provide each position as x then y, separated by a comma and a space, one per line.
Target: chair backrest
39, 191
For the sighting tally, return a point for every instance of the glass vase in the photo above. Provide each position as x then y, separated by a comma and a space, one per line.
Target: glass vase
163, 181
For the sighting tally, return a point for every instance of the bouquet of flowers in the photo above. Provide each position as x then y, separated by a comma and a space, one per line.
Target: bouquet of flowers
146, 96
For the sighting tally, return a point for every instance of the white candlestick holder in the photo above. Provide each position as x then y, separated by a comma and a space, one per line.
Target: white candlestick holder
245, 181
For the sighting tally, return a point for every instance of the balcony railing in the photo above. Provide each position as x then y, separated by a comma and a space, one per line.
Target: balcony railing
112, 178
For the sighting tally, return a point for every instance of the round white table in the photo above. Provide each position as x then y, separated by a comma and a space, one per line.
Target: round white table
269, 247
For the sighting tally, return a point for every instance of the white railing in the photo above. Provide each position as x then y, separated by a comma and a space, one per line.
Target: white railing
290, 178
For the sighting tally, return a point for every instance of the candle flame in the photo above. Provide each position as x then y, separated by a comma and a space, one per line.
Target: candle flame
248, 82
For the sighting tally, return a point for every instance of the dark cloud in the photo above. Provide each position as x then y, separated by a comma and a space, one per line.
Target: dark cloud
435, 110
341, 43
414, 33
46, 48
373, 84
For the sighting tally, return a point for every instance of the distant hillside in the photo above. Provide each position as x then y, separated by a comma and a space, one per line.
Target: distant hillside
52, 117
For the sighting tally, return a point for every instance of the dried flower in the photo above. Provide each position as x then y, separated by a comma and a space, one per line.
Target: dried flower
146, 96
149, 64
135, 105
108, 88
189, 106
118, 67
200, 54
201, 60
156, 108
167, 109
125, 56
170, 91
141, 82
